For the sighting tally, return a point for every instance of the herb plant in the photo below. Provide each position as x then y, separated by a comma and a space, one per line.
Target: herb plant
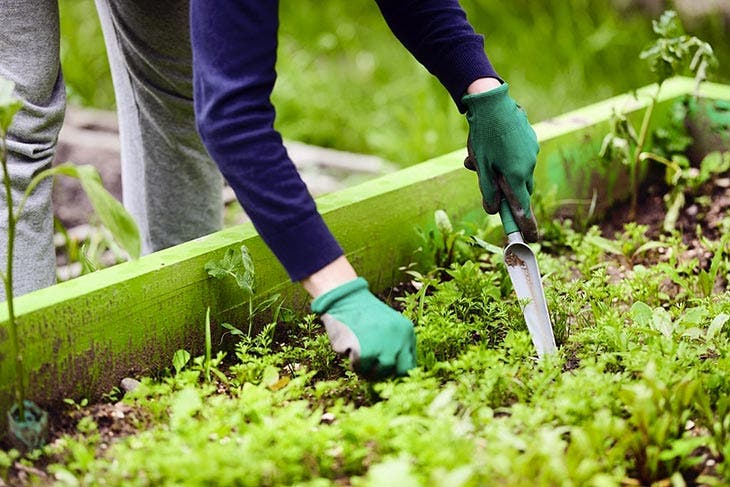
637, 394
239, 266
672, 53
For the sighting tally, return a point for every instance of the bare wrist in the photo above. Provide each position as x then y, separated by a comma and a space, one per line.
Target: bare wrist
483, 84
329, 277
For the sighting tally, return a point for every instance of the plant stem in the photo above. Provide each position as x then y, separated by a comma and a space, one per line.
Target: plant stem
8, 281
643, 133
208, 345
250, 314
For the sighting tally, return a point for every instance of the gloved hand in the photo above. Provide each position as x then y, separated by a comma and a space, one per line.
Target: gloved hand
379, 341
501, 141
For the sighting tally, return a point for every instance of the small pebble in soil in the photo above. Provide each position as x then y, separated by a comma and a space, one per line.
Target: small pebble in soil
129, 384
117, 413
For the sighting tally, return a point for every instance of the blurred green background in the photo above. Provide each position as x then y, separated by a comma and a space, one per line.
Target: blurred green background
345, 82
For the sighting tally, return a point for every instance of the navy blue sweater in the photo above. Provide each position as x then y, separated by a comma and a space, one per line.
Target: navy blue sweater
234, 56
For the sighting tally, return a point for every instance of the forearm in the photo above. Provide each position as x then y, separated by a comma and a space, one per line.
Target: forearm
234, 53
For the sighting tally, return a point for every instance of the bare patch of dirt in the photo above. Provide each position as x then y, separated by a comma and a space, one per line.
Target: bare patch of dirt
112, 422
652, 211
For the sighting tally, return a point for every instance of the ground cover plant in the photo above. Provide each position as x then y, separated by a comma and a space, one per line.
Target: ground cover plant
638, 393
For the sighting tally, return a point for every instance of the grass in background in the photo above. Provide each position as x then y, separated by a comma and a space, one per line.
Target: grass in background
83, 55
345, 82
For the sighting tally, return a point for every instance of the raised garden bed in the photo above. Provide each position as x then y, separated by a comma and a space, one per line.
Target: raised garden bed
132, 318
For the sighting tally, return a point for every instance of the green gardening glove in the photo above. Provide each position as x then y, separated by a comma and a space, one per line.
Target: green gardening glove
502, 150
379, 341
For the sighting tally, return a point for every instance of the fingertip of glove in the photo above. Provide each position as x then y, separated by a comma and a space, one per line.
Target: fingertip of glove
491, 208
528, 227
406, 361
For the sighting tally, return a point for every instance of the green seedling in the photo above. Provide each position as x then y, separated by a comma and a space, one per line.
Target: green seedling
672, 54
180, 359
634, 397
684, 179
631, 244
205, 364
25, 414
240, 267
689, 275
443, 244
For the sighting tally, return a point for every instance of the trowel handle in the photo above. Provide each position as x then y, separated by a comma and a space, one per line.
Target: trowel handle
508, 221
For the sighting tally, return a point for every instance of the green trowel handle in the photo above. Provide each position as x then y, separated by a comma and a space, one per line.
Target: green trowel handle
508, 221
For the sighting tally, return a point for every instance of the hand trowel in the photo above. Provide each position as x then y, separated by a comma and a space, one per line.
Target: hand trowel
525, 275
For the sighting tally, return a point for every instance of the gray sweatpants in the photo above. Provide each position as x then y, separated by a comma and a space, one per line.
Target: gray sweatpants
170, 185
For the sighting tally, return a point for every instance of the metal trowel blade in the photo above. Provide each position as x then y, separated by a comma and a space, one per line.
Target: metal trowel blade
525, 275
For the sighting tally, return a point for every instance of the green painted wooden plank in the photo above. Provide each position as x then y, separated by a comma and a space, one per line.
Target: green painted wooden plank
81, 337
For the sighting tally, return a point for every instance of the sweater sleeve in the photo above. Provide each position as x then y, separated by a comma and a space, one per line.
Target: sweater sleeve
234, 54
439, 36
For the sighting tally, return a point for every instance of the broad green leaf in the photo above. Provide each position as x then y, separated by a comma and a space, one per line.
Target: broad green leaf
610, 246
684, 447
487, 246
238, 265
714, 163
641, 313
180, 359
395, 471
662, 322
226, 266
443, 403
694, 333
457, 477
245, 278
9, 104
184, 405
694, 315
232, 329
716, 326
270, 376
111, 213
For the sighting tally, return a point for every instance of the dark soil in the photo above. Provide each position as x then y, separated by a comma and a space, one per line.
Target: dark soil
651, 210
113, 421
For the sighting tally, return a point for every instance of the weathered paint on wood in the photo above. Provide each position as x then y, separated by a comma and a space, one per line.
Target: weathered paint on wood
81, 337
